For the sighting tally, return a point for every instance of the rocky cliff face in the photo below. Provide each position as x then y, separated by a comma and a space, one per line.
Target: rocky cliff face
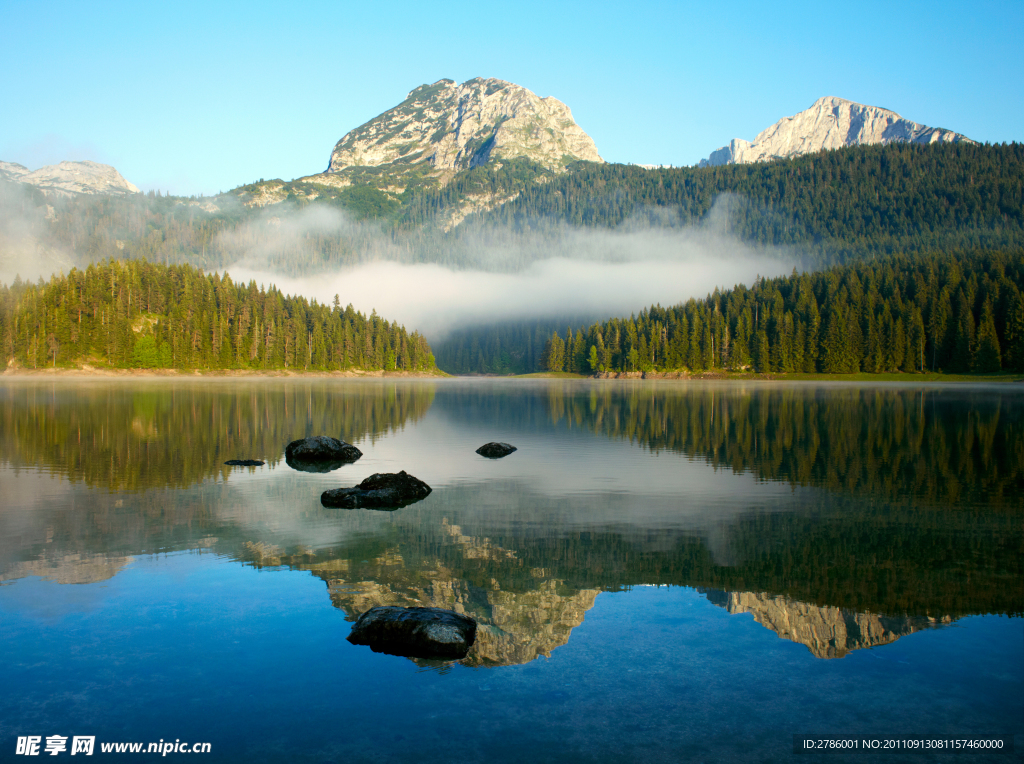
830, 123
70, 178
828, 632
452, 127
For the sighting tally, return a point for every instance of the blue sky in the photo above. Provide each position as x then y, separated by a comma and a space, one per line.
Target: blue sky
201, 97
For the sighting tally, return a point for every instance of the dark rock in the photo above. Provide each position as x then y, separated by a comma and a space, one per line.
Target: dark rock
320, 454
245, 462
415, 632
383, 490
495, 450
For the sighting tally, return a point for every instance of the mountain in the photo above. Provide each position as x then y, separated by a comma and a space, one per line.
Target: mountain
12, 171
444, 127
830, 123
438, 135
69, 178
828, 632
515, 625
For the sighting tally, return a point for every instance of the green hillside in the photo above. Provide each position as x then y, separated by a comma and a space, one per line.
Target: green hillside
834, 206
952, 312
141, 315
852, 202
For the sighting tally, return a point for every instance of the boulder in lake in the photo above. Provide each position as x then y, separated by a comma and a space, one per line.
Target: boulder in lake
495, 450
415, 632
320, 454
245, 462
383, 490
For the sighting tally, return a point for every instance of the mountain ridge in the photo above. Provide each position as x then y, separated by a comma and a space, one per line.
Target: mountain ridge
829, 123
67, 177
445, 127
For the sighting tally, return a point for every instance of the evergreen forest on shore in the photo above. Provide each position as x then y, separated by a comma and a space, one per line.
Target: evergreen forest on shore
135, 314
921, 247
957, 312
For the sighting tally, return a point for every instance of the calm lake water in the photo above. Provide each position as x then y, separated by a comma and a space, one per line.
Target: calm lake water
661, 572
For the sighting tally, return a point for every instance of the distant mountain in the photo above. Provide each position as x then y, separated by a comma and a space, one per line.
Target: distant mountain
12, 171
830, 123
69, 178
445, 127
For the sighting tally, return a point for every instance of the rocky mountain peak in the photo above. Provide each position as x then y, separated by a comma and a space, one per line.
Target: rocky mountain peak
451, 127
12, 170
70, 178
830, 123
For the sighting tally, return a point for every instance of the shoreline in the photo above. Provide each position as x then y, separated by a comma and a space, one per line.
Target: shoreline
1003, 377
89, 372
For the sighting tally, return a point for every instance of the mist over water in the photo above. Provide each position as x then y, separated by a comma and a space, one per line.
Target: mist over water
491, 274
434, 299
481, 272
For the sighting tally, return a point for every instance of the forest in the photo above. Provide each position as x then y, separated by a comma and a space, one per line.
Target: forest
836, 205
840, 205
950, 312
136, 314
925, 240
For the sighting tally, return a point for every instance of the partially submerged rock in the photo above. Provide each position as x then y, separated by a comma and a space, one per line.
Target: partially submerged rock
383, 490
245, 462
495, 450
320, 454
315, 466
415, 632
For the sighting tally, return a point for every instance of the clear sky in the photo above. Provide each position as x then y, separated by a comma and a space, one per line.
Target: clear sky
198, 97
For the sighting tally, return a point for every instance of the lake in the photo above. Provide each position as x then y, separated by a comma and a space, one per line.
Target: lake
663, 571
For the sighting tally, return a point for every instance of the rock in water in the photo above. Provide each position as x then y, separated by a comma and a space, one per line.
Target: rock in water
245, 463
320, 454
383, 490
415, 632
495, 450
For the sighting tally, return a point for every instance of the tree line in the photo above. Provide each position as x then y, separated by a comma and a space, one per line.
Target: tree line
836, 205
840, 205
955, 312
136, 314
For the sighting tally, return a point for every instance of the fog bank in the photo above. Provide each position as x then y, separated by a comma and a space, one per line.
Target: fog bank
578, 271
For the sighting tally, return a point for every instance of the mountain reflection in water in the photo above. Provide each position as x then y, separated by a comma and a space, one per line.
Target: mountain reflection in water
845, 517
828, 632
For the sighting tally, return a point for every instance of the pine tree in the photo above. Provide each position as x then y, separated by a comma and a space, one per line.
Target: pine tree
987, 357
963, 347
1015, 330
